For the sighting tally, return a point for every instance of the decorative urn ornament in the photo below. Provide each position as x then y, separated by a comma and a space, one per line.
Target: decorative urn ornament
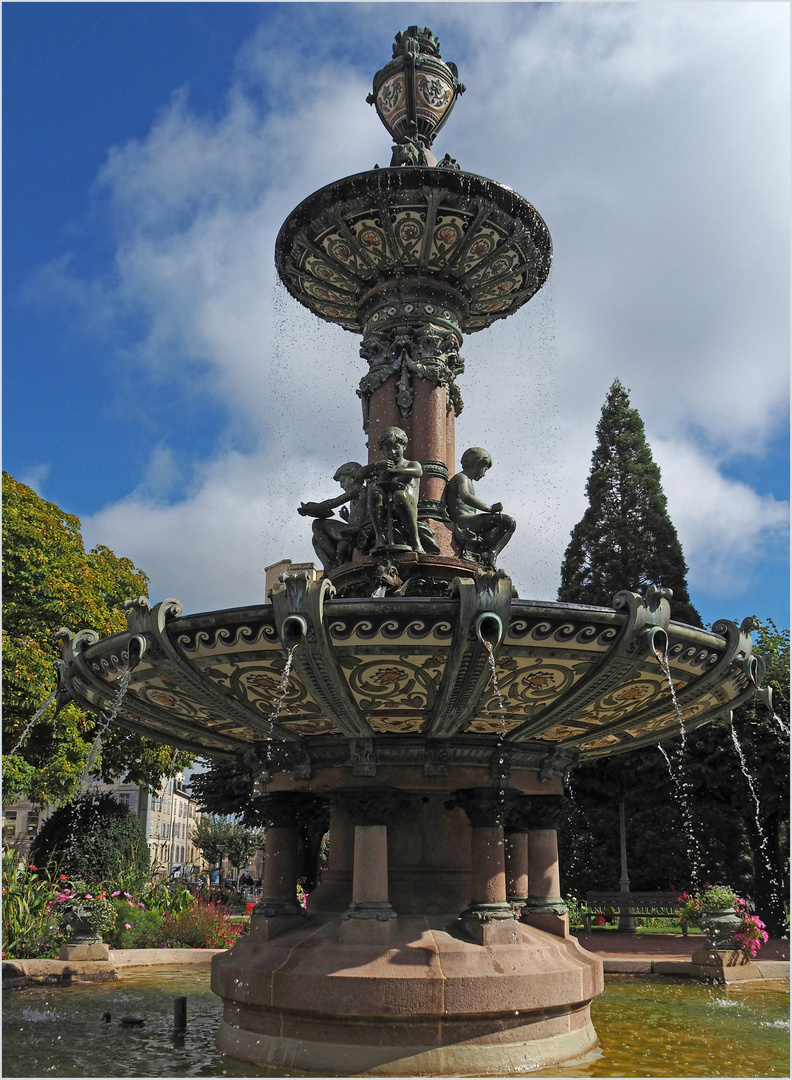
414, 95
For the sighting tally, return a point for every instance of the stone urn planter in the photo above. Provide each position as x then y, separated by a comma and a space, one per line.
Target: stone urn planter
83, 943
720, 924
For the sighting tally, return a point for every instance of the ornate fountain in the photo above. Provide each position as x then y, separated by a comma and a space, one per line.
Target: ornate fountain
429, 715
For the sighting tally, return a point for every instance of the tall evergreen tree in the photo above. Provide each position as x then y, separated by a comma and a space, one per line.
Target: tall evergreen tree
625, 539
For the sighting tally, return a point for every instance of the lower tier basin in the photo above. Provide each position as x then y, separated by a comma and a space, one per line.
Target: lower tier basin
425, 1001
646, 1028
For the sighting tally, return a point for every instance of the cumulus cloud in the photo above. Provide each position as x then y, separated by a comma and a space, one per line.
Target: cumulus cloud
651, 137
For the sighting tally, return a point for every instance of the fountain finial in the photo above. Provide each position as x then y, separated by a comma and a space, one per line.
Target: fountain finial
414, 95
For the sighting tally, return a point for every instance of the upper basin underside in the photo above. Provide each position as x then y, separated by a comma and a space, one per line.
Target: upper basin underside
483, 246
571, 679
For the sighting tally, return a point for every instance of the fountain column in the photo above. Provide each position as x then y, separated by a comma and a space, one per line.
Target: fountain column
516, 851
544, 908
369, 917
278, 910
489, 918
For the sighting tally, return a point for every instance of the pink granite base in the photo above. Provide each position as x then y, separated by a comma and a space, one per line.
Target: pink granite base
429, 1002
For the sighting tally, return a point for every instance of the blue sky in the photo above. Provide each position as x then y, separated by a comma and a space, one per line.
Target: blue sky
160, 384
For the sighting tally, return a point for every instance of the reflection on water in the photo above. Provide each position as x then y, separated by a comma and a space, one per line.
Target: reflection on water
646, 1029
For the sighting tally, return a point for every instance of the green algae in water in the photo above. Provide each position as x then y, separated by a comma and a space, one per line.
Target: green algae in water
646, 1029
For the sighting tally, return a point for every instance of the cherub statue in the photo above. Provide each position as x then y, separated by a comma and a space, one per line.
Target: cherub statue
335, 538
482, 531
393, 494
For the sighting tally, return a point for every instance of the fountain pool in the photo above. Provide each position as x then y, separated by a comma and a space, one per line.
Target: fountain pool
646, 1028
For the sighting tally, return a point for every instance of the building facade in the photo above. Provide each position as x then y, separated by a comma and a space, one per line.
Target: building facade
168, 817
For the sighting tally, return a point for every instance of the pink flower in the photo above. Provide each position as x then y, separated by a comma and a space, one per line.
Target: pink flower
118, 893
127, 926
88, 896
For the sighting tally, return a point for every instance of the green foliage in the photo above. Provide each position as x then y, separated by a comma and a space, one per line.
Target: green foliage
136, 929
576, 909
625, 539
93, 837
210, 836
49, 582
225, 787
30, 926
242, 844
717, 897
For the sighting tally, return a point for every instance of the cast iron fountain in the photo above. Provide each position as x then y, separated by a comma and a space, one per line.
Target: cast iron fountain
429, 715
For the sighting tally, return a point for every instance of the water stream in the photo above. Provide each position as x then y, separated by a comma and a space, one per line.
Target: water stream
105, 720
676, 771
763, 847
38, 713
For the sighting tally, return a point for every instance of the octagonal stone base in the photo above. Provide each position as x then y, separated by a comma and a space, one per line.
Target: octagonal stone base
429, 1002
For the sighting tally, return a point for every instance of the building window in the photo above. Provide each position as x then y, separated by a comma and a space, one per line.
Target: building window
9, 822
124, 798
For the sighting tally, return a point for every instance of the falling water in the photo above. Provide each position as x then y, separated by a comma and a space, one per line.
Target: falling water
494, 674
283, 688
677, 774
106, 719
39, 712
280, 701
681, 789
781, 724
379, 591
665, 665
757, 810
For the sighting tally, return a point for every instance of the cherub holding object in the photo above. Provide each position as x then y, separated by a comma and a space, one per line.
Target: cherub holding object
335, 538
393, 493
482, 531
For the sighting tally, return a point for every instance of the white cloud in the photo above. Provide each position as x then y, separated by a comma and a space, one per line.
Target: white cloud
651, 137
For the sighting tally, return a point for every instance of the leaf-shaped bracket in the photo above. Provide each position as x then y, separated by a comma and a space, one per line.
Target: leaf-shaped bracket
298, 605
484, 607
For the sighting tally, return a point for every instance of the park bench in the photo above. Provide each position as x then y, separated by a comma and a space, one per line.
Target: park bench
658, 905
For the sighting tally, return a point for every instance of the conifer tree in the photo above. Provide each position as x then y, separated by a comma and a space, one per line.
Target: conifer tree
625, 539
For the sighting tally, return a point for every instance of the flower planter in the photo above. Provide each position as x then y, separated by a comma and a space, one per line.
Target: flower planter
720, 925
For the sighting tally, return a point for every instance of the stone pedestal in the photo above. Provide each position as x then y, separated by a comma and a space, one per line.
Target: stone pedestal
404, 987
84, 950
722, 965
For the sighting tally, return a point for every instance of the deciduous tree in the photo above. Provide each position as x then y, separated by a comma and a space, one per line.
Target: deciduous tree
51, 581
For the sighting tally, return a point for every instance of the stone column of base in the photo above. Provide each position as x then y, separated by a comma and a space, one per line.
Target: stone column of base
516, 851
544, 908
370, 917
489, 918
278, 911
335, 891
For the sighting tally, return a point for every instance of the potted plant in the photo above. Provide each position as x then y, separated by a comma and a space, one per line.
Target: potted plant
721, 915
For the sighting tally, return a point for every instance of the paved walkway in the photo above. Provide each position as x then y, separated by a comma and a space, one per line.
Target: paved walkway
670, 954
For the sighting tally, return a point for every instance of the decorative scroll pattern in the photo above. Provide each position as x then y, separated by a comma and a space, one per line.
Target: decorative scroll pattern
578, 686
459, 230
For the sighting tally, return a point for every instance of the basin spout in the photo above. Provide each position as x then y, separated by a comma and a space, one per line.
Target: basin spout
489, 629
293, 631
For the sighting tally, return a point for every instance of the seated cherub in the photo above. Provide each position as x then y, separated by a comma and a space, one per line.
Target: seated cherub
393, 493
481, 530
335, 538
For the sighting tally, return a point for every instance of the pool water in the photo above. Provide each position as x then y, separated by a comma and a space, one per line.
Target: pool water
668, 1028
